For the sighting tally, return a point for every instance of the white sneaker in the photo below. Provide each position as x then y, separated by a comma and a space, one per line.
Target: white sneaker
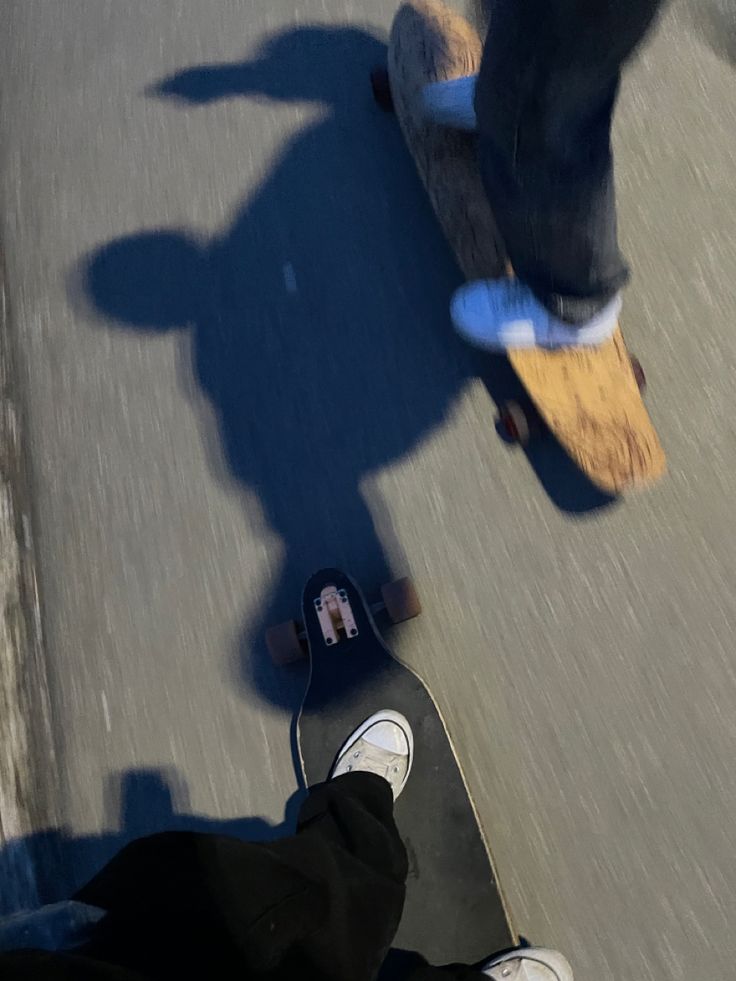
497, 314
383, 744
529, 964
451, 103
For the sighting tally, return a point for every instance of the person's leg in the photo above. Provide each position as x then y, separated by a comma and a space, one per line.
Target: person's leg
543, 101
324, 903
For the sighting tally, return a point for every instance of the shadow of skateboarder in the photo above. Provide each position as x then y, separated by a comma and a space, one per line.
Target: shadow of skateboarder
317, 319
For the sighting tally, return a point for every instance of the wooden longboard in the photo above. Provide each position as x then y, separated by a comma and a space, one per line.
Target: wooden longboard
454, 909
588, 397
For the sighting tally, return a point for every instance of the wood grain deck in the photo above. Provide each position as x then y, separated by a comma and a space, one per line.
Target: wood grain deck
587, 396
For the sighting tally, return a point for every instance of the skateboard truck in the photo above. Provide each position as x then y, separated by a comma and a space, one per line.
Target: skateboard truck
334, 613
285, 641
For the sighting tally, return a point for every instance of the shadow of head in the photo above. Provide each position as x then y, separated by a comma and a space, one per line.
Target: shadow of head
146, 801
138, 802
308, 64
152, 281
142, 800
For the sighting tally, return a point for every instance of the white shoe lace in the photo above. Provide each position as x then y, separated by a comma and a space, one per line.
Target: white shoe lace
388, 766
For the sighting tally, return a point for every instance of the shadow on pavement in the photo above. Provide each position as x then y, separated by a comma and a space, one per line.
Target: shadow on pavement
316, 321
140, 802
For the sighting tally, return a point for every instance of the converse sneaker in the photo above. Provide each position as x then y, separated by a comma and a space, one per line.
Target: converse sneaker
529, 964
497, 314
384, 745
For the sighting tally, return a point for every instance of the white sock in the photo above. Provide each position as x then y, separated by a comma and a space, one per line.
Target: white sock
451, 103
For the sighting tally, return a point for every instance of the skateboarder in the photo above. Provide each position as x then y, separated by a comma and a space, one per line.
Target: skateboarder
323, 904
542, 105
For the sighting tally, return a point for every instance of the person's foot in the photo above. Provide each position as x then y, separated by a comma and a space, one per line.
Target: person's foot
451, 103
384, 745
529, 964
497, 314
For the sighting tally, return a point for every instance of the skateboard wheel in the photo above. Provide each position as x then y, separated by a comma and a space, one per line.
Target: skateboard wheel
381, 86
639, 376
283, 643
516, 423
400, 600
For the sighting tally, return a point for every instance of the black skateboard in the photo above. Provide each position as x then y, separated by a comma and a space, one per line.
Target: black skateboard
454, 908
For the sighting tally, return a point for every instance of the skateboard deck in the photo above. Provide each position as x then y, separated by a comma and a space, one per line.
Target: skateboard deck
588, 397
454, 908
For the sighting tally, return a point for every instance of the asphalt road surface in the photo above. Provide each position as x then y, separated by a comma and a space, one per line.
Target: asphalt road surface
228, 304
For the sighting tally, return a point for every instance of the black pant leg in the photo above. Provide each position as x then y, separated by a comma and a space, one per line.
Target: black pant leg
323, 904
411, 966
545, 97
34, 965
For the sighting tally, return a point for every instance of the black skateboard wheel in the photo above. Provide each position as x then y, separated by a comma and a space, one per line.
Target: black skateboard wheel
517, 423
283, 643
401, 600
381, 86
641, 378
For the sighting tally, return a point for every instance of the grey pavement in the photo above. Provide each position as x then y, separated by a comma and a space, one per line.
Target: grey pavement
227, 298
